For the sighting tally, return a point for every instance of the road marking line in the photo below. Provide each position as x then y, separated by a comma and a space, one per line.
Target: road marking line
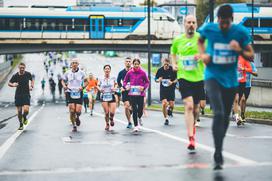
123, 168
231, 156
7, 144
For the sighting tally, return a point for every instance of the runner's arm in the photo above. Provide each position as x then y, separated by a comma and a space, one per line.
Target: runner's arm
202, 51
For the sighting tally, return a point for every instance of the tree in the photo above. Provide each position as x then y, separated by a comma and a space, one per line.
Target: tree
152, 3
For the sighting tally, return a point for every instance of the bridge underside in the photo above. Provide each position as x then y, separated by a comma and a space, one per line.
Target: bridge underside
36, 46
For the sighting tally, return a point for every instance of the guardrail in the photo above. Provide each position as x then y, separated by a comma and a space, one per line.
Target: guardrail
4, 66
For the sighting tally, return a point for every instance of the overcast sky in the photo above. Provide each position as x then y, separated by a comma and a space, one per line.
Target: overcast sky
54, 2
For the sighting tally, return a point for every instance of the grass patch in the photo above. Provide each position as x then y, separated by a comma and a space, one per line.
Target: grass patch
153, 69
249, 114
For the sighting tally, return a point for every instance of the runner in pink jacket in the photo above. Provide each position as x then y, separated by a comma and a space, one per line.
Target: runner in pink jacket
136, 82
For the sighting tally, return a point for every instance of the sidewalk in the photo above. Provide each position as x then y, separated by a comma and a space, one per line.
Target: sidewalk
249, 120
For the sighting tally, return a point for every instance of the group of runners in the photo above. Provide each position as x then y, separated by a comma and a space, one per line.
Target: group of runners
203, 62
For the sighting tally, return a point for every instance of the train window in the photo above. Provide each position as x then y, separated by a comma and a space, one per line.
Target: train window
247, 23
129, 22
170, 19
2, 24
120, 22
37, 24
266, 22
13, 24
81, 25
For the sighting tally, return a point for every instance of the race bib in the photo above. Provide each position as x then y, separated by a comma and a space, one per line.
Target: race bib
240, 75
188, 62
223, 54
165, 82
135, 91
75, 94
107, 96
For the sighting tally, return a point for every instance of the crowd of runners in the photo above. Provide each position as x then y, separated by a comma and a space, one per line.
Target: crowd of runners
215, 62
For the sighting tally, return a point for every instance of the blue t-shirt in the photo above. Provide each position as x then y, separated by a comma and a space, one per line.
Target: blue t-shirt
223, 67
249, 75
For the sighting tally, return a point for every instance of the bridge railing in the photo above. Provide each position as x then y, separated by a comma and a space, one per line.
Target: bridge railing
52, 31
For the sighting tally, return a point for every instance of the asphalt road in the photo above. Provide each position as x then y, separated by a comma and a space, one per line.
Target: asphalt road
48, 150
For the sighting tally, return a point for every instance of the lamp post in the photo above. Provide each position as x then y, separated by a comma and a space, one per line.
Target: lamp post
252, 21
211, 10
149, 51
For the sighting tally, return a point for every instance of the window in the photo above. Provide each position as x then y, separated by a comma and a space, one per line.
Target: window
247, 23
266, 22
11, 23
120, 22
129, 22
81, 25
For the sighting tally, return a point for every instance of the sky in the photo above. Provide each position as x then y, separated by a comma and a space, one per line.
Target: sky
55, 2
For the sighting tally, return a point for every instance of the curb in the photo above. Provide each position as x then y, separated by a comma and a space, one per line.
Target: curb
249, 120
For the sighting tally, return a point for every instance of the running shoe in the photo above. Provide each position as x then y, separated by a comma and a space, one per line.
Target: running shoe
25, 121
91, 112
107, 128
238, 120
166, 122
74, 129
191, 145
169, 112
136, 129
218, 161
77, 121
21, 127
141, 122
197, 123
129, 126
112, 123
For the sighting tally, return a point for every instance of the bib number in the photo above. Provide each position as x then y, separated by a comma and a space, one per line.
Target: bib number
188, 62
135, 91
107, 96
75, 94
165, 82
223, 54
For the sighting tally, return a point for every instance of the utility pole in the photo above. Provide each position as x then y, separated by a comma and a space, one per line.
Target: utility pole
211, 10
252, 21
149, 51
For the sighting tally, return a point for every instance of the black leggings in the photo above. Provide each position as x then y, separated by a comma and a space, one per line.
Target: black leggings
221, 100
137, 103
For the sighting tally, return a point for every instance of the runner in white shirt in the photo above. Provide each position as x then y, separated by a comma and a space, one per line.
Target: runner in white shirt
73, 86
107, 86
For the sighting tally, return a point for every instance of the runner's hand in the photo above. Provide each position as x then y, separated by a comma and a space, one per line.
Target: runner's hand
30, 88
175, 67
65, 87
234, 45
127, 87
15, 84
141, 88
160, 79
205, 58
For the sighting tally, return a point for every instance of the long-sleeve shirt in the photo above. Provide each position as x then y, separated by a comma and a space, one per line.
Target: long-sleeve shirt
121, 77
137, 78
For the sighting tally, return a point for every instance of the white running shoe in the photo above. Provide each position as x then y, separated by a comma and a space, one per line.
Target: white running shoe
136, 129
197, 123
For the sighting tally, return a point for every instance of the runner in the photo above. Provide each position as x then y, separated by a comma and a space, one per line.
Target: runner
244, 67
225, 42
24, 83
136, 82
43, 84
167, 79
85, 97
190, 74
74, 78
248, 88
125, 97
107, 87
92, 91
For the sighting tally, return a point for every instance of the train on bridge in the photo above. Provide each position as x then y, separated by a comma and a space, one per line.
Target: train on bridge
86, 23
262, 19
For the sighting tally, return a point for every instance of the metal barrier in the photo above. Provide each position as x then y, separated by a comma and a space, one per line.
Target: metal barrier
4, 66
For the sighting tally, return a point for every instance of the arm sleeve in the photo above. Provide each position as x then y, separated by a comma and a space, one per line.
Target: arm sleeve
146, 80
119, 80
126, 79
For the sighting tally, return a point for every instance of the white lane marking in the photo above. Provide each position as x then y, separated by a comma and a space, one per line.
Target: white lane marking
125, 168
231, 156
249, 137
7, 144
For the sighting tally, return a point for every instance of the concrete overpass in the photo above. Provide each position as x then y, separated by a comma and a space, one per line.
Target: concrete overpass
10, 46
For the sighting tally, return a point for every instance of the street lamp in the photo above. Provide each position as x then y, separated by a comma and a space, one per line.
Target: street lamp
211, 10
252, 21
149, 51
